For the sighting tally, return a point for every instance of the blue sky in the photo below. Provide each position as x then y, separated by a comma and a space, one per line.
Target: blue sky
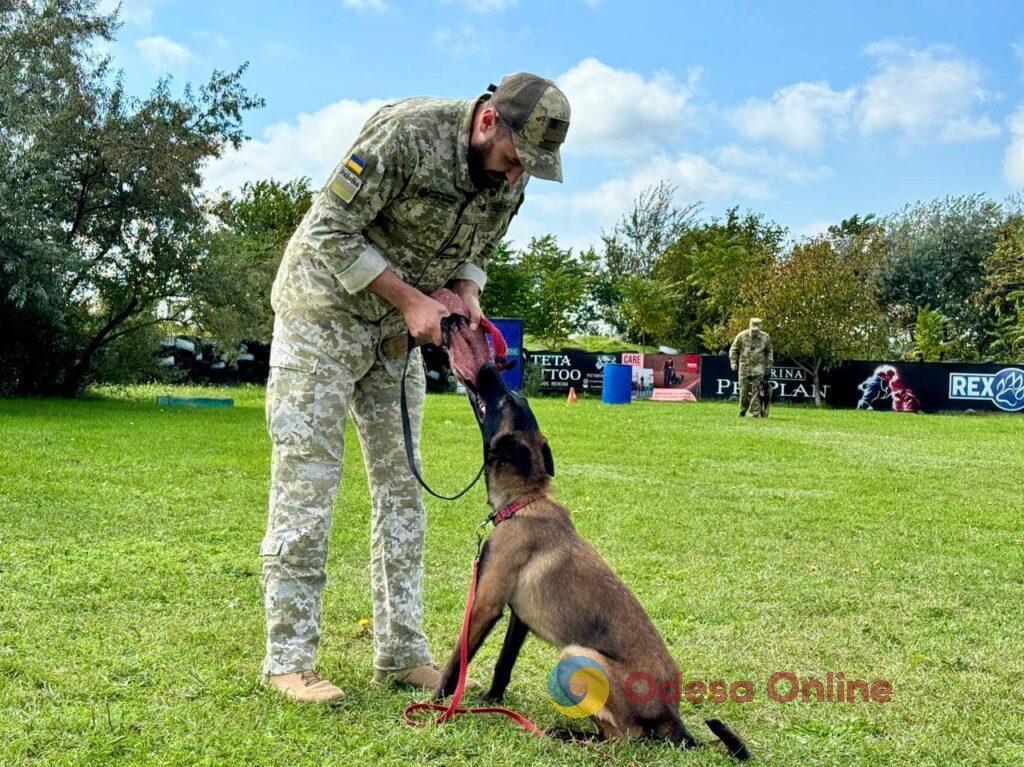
807, 111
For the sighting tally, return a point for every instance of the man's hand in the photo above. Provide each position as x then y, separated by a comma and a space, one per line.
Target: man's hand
423, 317
469, 292
422, 314
733, 366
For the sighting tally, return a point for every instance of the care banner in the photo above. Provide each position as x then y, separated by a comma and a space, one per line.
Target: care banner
667, 377
560, 370
790, 382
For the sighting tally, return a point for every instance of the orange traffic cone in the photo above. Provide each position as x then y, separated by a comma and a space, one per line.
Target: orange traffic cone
572, 394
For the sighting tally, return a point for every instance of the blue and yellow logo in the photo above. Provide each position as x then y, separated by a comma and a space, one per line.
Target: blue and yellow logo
578, 686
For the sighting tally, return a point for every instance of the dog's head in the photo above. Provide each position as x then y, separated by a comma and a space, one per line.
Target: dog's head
516, 454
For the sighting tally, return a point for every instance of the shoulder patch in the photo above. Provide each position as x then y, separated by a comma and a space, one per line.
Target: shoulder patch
355, 164
346, 184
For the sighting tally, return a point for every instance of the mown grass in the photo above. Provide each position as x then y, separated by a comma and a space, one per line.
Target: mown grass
869, 543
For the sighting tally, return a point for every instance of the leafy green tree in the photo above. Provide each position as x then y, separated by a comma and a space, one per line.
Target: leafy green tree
935, 256
815, 307
713, 260
633, 247
232, 282
101, 220
649, 308
1002, 293
929, 335
509, 285
559, 290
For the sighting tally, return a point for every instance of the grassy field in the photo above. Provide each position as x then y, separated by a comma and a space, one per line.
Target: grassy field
882, 546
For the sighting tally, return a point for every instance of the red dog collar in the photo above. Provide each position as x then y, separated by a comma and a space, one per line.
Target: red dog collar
509, 509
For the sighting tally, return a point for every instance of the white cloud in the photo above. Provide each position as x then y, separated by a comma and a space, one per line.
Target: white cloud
797, 116
921, 94
578, 218
771, 167
1013, 161
617, 112
924, 94
162, 53
309, 146
366, 5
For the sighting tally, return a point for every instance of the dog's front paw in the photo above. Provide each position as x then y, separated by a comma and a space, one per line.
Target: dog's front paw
438, 693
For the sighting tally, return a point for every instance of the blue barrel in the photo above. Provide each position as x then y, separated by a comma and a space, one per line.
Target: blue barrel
617, 384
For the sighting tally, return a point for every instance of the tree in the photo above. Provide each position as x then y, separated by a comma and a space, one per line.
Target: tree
558, 290
232, 282
929, 335
642, 235
713, 260
817, 310
101, 220
509, 285
649, 308
935, 256
1001, 296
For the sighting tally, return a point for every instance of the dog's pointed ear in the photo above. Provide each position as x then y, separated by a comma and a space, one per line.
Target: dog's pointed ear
509, 449
549, 460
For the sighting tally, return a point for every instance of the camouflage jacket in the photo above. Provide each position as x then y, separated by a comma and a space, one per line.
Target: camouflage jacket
752, 353
402, 197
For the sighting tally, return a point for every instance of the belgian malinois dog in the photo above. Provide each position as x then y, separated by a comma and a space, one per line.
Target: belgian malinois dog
558, 587
764, 394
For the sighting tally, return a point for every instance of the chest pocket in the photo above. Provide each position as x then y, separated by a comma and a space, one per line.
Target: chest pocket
423, 220
492, 225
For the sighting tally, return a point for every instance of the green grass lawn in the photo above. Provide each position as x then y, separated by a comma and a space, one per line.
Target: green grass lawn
882, 546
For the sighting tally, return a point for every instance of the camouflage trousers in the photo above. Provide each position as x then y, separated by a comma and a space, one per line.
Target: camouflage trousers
749, 385
309, 395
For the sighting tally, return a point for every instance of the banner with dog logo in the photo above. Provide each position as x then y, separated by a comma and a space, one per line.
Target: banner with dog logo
560, 370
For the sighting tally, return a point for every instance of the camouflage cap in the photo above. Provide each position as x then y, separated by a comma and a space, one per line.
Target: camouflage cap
755, 322
539, 115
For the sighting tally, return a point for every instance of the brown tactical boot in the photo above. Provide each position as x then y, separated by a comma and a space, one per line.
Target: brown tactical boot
427, 676
303, 686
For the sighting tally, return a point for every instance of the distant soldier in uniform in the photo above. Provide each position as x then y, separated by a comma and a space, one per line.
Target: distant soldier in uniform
420, 201
751, 353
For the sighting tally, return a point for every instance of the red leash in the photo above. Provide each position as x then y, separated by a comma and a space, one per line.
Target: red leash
453, 708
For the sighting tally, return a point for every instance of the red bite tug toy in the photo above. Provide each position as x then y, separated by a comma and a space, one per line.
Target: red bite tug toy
469, 350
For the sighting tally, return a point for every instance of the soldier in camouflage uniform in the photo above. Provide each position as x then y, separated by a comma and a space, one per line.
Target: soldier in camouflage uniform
420, 200
751, 352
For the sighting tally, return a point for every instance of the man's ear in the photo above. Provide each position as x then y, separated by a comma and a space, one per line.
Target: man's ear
511, 450
549, 461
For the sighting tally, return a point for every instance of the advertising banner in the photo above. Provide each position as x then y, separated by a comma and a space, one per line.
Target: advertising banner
906, 387
575, 368
512, 330
676, 376
927, 386
790, 382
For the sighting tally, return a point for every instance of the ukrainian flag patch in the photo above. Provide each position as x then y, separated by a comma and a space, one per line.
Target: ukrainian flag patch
355, 164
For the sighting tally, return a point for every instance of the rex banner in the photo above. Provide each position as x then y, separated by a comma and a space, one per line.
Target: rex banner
576, 368
928, 386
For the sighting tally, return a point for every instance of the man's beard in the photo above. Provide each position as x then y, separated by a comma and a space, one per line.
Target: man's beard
482, 178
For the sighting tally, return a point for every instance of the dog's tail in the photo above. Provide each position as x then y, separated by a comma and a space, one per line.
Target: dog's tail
679, 735
732, 741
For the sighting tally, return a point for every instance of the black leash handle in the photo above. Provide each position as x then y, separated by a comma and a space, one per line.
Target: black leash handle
407, 423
